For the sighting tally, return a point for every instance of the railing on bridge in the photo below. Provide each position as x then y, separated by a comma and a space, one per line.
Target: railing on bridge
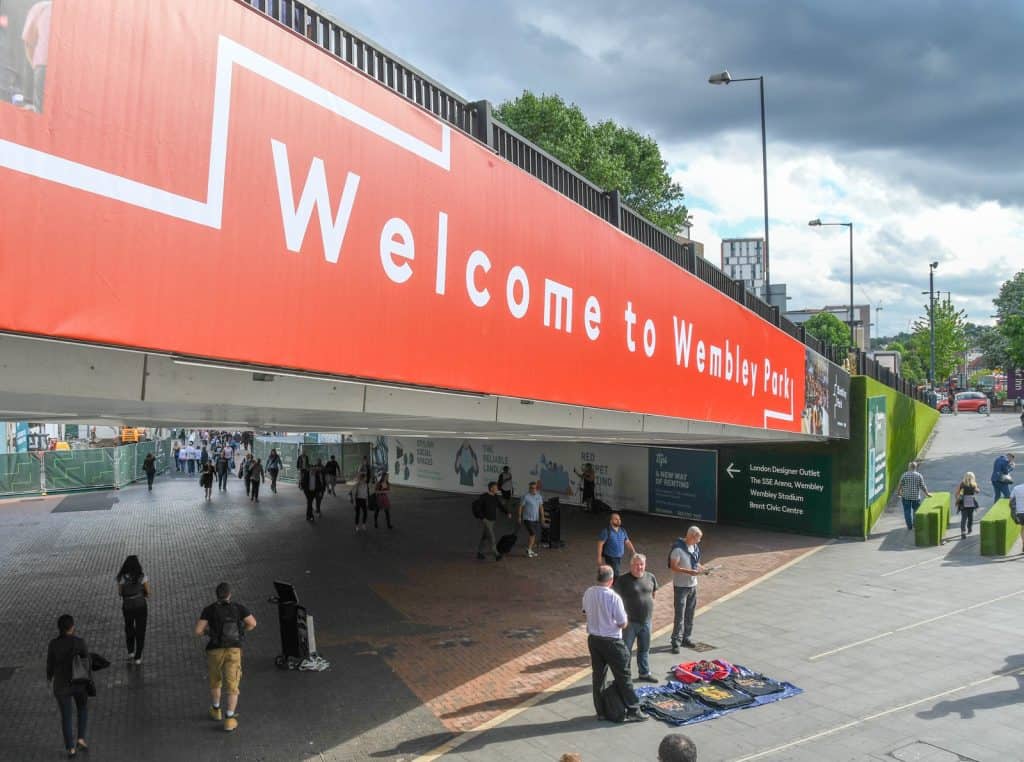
474, 118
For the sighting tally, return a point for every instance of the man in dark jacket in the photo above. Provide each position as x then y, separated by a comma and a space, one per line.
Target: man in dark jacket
59, 655
311, 482
490, 504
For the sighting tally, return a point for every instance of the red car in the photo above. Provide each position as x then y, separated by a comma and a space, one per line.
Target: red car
966, 402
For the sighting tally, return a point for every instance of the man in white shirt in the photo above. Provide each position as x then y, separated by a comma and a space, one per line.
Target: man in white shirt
531, 515
606, 616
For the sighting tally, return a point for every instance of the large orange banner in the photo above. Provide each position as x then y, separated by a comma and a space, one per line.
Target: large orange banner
192, 178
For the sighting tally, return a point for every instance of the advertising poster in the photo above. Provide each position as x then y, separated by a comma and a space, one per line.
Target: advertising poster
467, 465
237, 149
683, 483
826, 398
790, 493
878, 437
21, 437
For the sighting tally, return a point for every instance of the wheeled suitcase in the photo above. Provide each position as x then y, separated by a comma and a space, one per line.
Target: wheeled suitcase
506, 543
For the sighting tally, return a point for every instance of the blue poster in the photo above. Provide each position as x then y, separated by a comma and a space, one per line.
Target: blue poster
683, 483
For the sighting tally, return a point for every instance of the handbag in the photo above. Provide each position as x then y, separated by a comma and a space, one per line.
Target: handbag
1006, 479
81, 668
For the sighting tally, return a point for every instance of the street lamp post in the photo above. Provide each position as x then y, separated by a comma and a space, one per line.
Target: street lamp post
931, 319
723, 78
817, 223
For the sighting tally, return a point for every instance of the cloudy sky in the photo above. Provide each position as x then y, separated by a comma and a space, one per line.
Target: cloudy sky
904, 118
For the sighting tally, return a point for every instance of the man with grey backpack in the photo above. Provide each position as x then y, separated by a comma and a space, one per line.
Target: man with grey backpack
225, 623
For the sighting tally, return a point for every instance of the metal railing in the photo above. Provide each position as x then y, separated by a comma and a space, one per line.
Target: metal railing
474, 118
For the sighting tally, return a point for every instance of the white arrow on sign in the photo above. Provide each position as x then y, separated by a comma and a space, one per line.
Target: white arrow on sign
731, 471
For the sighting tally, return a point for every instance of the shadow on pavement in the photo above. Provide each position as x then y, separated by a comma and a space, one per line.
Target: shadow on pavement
969, 705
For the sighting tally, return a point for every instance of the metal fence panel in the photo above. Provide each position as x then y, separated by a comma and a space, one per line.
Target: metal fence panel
79, 469
19, 474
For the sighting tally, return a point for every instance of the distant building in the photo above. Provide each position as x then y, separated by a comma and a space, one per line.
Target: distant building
743, 259
861, 320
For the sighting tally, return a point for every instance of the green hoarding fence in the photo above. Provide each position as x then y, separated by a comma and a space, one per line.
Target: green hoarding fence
37, 473
348, 454
19, 474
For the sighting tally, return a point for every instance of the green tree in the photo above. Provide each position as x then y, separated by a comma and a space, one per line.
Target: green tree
994, 347
950, 339
830, 328
1010, 318
610, 156
911, 367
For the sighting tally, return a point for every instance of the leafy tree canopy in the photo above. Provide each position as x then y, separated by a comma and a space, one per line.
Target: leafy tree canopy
950, 339
1010, 318
610, 156
830, 328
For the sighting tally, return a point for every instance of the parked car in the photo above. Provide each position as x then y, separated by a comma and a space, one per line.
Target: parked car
966, 402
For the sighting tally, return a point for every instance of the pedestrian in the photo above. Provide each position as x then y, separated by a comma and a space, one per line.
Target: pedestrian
319, 497
637, 588
366, 470
243, 471
223, 469
225, 623
204, 457
302, 462
952, 403
273, 468
176, 455
183, 459
382, 502
606, 618
531, 515
311, 483
505, 484
1001, 479
684, 561
676, 747
206, 474
1017, 510
612, 542
910, 489
486, 508
133, 587
966, 502
589, 484
59, 655
149, 469
360, 497
190, 457
331, 471
255, 480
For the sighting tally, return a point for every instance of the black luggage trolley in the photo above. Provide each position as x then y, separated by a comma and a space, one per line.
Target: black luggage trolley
298, 640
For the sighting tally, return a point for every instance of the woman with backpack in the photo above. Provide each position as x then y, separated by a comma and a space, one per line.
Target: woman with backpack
273, 468
133, 587
966, 502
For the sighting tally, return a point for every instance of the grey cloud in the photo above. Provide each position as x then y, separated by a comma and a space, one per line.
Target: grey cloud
922, 91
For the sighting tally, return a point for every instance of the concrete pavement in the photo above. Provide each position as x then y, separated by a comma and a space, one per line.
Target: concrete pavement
904, 653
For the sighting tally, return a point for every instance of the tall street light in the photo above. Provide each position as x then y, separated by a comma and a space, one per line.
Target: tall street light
931, 319
817, 224
723, 78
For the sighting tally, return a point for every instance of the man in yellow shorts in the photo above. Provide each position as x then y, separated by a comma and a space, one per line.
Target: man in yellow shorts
225, 623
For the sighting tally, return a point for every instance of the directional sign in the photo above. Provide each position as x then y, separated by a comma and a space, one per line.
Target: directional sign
787, 492
682, 483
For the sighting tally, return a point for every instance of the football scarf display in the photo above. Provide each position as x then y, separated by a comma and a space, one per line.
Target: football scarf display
709, 689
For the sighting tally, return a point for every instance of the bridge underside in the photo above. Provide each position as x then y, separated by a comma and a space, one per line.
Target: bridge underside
48, 380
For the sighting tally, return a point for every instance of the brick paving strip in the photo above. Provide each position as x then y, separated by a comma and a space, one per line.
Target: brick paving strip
496, 663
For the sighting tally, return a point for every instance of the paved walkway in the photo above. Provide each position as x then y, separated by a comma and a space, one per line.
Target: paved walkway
904, 653
424, 640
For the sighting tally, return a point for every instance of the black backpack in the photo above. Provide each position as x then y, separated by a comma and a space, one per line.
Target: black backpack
227, 632
133, 594
612, 703
478, 507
